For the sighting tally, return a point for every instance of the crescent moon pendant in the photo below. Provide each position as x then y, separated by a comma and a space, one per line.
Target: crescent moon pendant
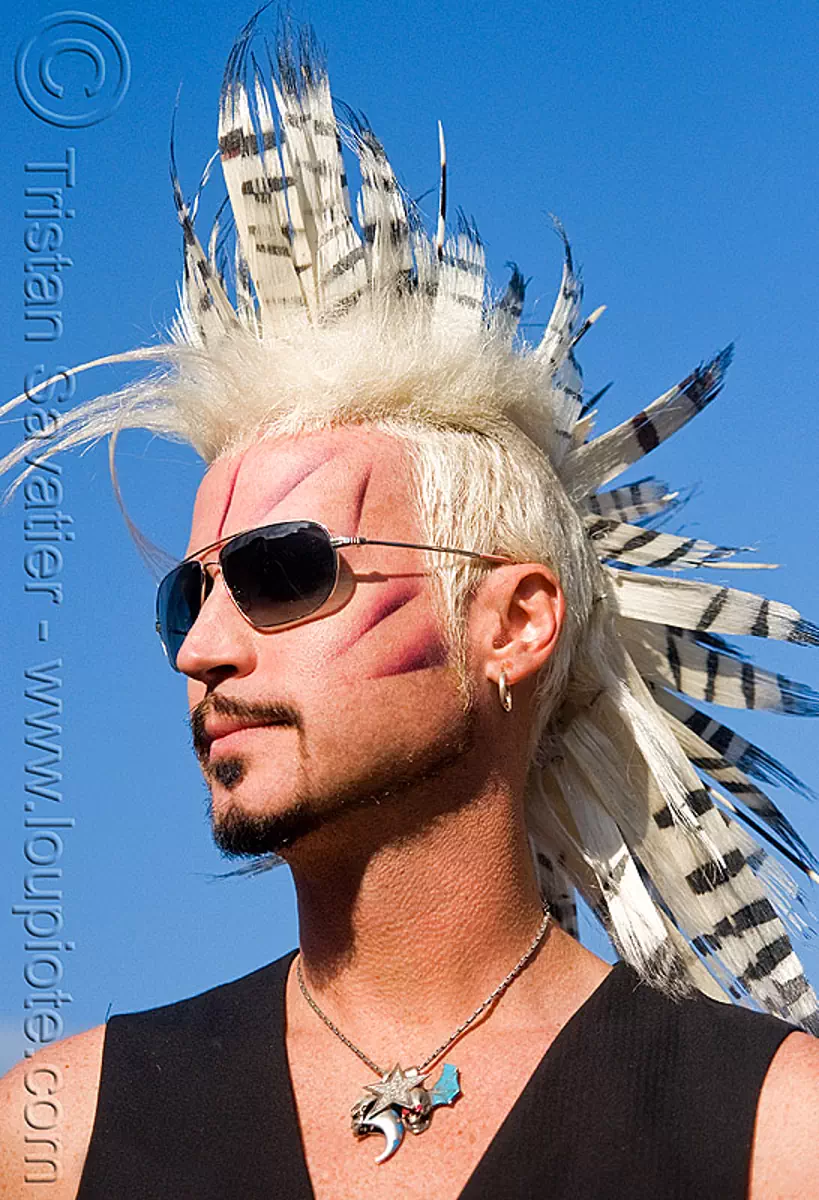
392, 1128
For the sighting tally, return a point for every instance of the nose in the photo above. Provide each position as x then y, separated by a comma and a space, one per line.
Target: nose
220, 643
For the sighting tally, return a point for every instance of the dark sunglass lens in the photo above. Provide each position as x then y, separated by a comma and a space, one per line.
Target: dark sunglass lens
177, 606
281, 573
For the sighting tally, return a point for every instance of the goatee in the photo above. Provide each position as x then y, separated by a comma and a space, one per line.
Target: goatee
242, 834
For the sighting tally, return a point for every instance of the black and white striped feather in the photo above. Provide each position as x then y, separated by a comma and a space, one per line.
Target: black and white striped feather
506, 313
707, 607
632, 503
712, 895
709, 669
731, 746
256, 182
555, 353
205, 308
458, 304
382, 212
595, 464
557, 889
617, 542
729, 778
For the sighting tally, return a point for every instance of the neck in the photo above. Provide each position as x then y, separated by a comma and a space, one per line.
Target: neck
412, 932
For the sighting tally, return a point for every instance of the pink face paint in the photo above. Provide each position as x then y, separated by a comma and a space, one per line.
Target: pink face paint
229, 496
271, 496
417, 652
359, 500
390, 600
413, 646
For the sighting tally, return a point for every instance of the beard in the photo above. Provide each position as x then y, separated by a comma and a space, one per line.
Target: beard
265, 836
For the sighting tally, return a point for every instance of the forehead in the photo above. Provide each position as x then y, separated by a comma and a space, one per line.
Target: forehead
338, 477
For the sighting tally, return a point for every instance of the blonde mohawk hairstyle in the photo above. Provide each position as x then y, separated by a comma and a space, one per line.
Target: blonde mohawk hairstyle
319, 318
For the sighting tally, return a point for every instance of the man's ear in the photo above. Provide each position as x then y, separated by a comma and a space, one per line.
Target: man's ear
519, 617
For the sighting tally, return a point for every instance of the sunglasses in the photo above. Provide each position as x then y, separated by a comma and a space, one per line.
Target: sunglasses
275, 575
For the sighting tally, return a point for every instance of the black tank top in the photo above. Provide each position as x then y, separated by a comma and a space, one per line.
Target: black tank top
638, 1096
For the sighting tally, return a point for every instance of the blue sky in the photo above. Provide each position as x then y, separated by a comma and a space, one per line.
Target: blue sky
675, 143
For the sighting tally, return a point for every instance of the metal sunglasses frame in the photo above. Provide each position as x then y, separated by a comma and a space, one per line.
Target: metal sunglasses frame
336, 543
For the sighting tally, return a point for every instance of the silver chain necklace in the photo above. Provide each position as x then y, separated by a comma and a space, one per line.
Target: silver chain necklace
400, 1098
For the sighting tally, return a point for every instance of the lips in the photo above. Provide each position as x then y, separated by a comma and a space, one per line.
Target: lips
216, 721
220, 727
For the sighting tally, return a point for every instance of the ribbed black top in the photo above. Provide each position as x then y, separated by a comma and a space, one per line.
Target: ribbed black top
637, 1096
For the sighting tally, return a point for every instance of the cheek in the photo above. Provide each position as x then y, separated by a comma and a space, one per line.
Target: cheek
417, 651
393, 632
388, 630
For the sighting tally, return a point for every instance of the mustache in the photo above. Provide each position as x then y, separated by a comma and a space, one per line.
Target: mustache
275, 712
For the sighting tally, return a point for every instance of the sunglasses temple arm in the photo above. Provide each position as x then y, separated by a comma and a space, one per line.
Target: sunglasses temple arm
364, 541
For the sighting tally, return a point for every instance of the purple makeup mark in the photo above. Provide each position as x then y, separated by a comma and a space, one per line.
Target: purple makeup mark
304, 472
231, 489
426, 651
297, 476
359, 500
390, 602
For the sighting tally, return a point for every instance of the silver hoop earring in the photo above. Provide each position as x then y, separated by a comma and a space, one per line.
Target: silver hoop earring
504, 691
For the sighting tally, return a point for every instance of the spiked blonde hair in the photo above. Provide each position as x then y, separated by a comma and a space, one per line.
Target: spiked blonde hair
634, 796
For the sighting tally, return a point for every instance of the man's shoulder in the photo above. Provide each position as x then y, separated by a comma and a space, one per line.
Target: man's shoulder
47, 1106
785, 1156
56, 1090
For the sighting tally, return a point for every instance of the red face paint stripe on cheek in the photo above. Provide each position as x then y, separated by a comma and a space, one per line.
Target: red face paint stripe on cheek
389, 603
418, 654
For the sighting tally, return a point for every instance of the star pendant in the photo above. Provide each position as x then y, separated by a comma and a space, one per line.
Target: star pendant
395, 1089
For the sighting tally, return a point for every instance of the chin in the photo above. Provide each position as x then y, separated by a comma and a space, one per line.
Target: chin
241, 832
250, 816
237, 781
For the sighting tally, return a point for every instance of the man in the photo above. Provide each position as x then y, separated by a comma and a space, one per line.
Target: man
411, 677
